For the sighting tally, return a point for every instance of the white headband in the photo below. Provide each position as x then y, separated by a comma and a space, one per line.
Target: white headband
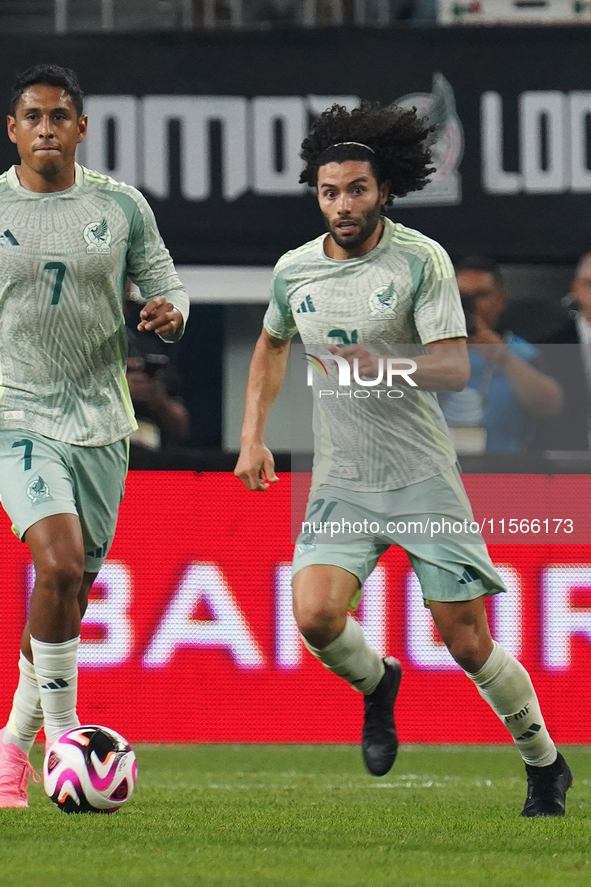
359, 145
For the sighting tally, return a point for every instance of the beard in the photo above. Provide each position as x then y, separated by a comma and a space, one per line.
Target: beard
367, 224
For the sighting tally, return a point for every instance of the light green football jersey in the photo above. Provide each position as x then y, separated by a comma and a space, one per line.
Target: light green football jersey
64, 261
403, 292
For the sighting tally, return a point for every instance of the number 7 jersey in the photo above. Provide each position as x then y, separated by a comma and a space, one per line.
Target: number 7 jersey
64, 261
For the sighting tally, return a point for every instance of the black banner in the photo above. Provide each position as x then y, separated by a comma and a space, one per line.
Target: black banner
209, 126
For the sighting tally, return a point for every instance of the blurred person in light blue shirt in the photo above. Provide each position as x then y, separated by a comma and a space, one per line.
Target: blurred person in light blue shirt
509, 393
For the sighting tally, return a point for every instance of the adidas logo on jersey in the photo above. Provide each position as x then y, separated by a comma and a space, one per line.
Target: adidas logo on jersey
307, 306
8, 239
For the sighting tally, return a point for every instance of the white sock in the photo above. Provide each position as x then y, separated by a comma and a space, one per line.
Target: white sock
505, 684
351, 658
56, 670
26, 716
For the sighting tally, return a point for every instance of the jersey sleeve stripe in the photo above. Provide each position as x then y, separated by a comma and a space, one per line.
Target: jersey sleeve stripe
439, 257
273, 332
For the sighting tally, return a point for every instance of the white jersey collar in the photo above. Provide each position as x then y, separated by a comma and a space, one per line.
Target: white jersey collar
13, 182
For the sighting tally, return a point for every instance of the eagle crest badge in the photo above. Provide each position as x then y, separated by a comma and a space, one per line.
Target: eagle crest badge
38, 491
382, 302
98, 237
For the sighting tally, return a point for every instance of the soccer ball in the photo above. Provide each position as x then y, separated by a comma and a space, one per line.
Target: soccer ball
89, 769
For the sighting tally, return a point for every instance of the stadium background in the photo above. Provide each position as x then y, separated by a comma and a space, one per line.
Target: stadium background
189, 636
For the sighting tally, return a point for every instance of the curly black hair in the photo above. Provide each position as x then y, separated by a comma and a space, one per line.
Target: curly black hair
394, 140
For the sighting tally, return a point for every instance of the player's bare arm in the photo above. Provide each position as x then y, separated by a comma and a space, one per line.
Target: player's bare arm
445, 368
160, 316
255, 466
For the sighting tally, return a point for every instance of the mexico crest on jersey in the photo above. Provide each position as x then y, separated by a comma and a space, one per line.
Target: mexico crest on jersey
382, 302
38, 491
98, 237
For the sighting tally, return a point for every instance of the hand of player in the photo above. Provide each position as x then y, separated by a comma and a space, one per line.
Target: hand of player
367, 361
160, 316
256, 467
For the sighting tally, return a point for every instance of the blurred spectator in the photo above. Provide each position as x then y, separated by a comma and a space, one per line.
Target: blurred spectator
422, 11
326, 12
270, 11
570, 355
509, 392
154, 386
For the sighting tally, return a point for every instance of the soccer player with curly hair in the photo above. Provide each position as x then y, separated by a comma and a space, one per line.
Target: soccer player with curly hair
371, 286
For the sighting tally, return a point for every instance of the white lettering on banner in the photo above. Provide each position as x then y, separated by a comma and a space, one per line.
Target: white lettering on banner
423, 648
291, 116
227, 628
553, 143
580, 113
495, 178
422, 644
109, 612
121, 111
194, 114
560, 620
538, 112
371, 615
288, 644
260, 141
506, 611
373, 612
261, 138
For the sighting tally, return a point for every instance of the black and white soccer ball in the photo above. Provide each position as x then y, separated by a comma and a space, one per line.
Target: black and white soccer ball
89, 769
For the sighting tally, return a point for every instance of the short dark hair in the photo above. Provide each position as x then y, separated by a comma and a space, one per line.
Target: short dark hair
484, 264
48, 75
393, 140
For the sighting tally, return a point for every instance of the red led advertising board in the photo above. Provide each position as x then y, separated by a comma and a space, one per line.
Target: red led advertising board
189, 636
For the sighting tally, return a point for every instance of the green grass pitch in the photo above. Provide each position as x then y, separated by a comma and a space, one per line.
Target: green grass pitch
308, 816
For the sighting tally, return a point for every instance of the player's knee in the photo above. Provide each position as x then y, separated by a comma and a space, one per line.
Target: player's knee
319, 624
468, 652
63, 577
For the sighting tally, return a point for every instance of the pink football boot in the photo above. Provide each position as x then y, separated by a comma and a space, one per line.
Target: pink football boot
14, 775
